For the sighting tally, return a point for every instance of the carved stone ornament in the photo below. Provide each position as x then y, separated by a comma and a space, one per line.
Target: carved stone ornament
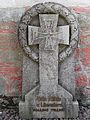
55, 29
48, 8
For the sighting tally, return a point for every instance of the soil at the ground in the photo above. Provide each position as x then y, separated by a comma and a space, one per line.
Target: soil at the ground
12, 114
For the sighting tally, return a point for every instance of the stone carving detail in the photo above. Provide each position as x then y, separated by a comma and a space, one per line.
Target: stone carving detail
48, 35
49, 7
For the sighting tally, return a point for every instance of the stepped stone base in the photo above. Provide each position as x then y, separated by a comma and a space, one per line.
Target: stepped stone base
38, 107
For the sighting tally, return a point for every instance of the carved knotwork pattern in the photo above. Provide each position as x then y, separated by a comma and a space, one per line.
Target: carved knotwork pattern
48, 7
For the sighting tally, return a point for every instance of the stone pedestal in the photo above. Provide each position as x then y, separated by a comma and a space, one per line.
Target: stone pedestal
59, 105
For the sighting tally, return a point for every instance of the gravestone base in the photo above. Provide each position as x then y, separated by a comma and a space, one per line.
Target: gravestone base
75, 109
38, 105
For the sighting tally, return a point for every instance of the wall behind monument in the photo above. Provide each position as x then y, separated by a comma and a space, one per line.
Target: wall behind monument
11, 53
23, 3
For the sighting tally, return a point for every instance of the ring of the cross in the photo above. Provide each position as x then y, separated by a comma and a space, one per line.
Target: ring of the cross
44, 8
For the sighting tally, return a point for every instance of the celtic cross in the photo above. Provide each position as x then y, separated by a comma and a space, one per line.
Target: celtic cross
48, 36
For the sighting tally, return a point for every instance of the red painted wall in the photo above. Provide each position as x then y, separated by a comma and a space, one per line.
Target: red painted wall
10, 58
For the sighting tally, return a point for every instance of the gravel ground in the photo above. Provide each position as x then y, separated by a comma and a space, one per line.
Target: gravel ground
9, 114
9, 111
84, 113
12, 114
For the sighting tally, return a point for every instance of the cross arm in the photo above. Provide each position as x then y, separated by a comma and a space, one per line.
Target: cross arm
33, 35
63, 34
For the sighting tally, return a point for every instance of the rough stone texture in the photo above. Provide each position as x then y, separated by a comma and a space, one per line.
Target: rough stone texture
81, 70
9, 110
48, 36
54, 8
28, 74
10, 20
67, 74
30, 18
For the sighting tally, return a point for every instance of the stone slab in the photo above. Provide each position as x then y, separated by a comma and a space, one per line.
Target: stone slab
49, 36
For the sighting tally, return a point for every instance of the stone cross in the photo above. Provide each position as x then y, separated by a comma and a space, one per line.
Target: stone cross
48, 37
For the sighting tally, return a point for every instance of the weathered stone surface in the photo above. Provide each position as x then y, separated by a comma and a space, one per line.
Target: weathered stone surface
49, 7
67, 74
33, 51
11, 54
48, 38
38, 102
30, 75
